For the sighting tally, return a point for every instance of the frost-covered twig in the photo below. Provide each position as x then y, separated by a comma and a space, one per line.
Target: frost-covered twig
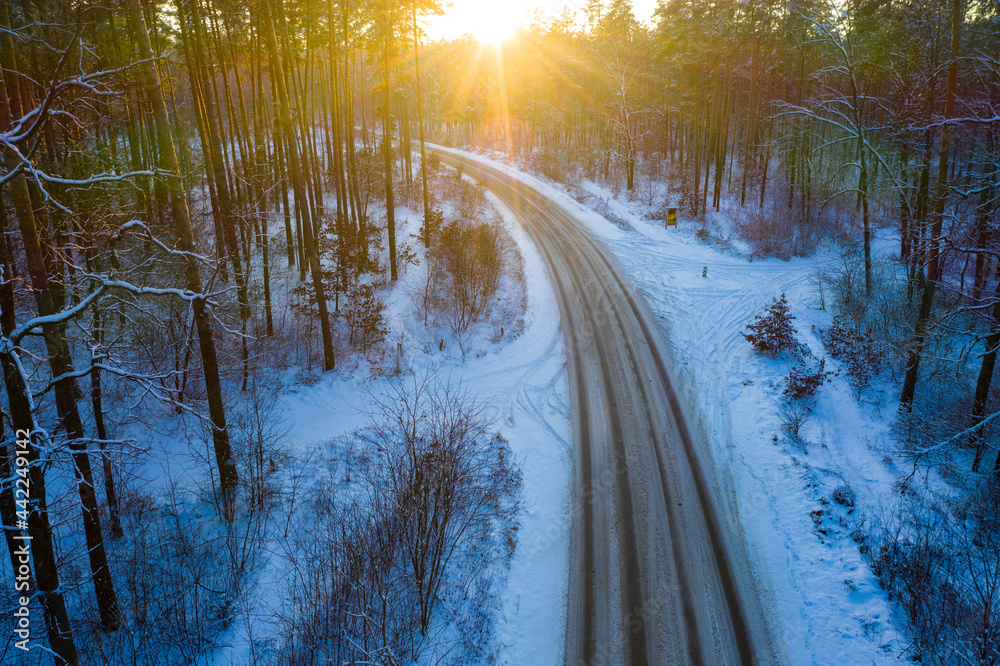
957, 436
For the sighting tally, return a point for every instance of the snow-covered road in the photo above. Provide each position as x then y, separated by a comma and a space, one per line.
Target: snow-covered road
658, 572
827, 604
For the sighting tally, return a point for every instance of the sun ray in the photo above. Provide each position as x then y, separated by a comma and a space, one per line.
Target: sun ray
487, 22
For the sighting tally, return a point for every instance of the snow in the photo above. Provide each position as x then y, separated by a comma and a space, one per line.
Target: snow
537, 424
527, 385
828, 604
828, 607
524, 381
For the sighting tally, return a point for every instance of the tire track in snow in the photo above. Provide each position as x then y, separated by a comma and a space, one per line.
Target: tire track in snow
681, 564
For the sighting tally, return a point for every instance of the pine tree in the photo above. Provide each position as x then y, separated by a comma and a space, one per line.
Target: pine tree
773, 332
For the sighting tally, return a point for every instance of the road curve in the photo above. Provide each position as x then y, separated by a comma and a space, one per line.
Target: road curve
658, 570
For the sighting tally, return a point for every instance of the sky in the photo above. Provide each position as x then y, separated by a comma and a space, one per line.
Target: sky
492, 20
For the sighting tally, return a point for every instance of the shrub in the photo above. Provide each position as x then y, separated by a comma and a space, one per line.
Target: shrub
603, 208
794, 414
401, 567
365, 316
660, 215
471, 197
777, 232
472, 258
181, 576
886, 312
773, 332
434, 221
844, 496
939, 563
861, 353
804, 380
433, 164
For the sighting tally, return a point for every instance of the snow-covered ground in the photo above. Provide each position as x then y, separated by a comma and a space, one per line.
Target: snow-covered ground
828, 604
523, 382
829, 608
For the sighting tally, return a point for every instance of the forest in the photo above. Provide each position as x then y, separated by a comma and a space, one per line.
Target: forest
204, 202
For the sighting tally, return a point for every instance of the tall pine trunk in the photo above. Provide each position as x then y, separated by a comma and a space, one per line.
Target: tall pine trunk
60, 363
937, 221
390, 204
228, 477
420, 128
983, 382
284, 115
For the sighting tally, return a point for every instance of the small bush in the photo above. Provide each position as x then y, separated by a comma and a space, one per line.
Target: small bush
470, 258
938, 563
433, 223
778, 232
844, 496
773, 332
471, 197
803, 380
398, 565
433, 164
603, 208
859, 350
794, 414
660, 215
365, 316
887, 312
181, 577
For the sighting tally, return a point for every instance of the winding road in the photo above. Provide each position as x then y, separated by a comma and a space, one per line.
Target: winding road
659, 572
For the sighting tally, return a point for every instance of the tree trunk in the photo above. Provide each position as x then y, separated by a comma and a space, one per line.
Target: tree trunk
390, 204
65, 389
983, 383
96, 396
865, 216
420, 127
228, 477
940, 197
284, 115
43, 553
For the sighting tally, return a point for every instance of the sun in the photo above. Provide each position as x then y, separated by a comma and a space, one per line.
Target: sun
495, 22
490, 22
